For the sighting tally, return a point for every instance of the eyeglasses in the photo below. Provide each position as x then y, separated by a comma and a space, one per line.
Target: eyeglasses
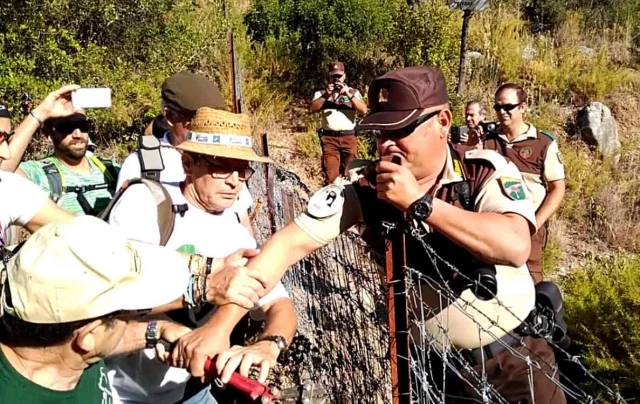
225, 170
65, 128
5, 136
506, 107
336, 76
407, 130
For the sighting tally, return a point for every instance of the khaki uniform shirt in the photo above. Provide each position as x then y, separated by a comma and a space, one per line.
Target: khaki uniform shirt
537, 157
336, 208
338, 112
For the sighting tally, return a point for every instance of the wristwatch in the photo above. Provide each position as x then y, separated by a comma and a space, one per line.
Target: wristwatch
152, 335
280, 341
421, 209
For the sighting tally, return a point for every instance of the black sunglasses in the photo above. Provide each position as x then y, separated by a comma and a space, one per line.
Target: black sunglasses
506, 107
5, 136
65, 128
407, 130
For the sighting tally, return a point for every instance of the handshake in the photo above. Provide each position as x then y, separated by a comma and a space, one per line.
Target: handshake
231, 282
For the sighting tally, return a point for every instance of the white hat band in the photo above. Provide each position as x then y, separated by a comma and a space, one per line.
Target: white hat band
221, 139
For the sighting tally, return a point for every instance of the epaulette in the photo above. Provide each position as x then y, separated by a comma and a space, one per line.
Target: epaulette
548, 134
491, 156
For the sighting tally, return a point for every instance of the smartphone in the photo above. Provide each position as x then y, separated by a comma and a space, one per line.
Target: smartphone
83, 98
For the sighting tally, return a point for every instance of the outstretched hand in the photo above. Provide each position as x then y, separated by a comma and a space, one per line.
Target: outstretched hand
57, 104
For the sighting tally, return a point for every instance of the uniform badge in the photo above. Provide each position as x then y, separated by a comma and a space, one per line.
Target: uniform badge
560, 158
513, 188
525, 153
326, 202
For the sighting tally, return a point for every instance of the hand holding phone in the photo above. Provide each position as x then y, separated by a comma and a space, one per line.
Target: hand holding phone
84, 98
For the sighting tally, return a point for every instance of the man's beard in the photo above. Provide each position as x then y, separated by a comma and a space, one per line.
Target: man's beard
73, 153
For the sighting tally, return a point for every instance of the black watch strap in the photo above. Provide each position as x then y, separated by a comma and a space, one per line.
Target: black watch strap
421, 209
152, 335
280, 341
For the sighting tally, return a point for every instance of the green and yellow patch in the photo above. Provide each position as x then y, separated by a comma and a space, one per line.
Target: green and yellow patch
513, 188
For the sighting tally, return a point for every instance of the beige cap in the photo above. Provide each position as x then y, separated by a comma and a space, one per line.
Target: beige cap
85, 269
222, 134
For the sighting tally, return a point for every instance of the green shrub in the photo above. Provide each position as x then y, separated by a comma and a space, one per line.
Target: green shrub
309, 34
602, 301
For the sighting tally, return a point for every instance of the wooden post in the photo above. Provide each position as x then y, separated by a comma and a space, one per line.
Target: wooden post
395, 263
466, 17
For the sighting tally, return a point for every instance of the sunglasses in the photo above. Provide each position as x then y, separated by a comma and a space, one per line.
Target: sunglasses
407, 130
506, 107
224, 171
66, 128
5, 136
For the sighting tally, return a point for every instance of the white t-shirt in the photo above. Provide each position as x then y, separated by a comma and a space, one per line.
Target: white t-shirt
20, 201
173, 173
342, 116
140, 377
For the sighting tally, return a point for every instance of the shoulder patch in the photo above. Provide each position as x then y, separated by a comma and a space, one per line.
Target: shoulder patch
548, 134
491, 156
513, 188
326, 202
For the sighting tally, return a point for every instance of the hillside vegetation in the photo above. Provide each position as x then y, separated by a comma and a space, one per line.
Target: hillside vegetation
565, 52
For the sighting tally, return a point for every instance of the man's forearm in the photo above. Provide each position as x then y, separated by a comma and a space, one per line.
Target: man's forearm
286, 247
317, 103
359, 105
134, 335
281, 320
551, 202
20, 141
495, 238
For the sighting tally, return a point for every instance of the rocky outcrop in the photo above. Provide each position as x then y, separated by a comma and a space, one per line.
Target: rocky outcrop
597, 127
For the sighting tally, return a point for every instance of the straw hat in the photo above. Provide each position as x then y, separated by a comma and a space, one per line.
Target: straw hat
223, 134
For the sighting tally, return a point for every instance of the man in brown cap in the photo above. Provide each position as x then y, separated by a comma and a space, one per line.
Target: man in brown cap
339, 104
467, 206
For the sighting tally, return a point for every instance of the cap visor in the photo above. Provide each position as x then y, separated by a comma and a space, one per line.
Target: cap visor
231, 152
164, 276
388, 120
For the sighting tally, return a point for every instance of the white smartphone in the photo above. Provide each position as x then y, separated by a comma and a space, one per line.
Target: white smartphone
83, 98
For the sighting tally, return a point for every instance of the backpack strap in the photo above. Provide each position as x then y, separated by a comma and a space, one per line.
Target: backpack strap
53, 171
150, 157
166, 210
107, 168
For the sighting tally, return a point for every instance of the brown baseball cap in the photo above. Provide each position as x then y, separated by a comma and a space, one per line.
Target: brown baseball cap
187, 91
397, 98
336, 67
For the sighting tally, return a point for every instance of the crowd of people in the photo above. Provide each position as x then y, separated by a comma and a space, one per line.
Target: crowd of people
121, 257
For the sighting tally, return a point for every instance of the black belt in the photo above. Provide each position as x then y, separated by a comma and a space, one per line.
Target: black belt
336, 133
477, 355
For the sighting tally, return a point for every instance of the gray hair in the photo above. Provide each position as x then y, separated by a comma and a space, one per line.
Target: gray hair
483, 110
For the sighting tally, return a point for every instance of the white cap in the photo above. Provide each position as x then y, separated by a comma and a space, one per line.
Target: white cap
85, 269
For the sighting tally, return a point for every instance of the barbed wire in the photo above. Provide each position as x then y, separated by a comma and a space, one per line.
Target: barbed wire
339, 293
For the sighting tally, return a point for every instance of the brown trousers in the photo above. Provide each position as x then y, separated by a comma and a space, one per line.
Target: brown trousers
337, 153
509, 376
538, 242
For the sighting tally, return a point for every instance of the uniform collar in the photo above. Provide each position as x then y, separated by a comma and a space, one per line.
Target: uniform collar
532, 133
452, 170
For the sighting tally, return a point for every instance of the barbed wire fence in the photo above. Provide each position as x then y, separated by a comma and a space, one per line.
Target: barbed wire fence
343, 342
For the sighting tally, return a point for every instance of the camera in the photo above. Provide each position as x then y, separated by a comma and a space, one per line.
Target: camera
489, 127
337, 87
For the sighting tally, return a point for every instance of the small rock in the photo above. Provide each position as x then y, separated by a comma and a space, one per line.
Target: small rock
473, 55
585, 50
598, 128
529, 53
